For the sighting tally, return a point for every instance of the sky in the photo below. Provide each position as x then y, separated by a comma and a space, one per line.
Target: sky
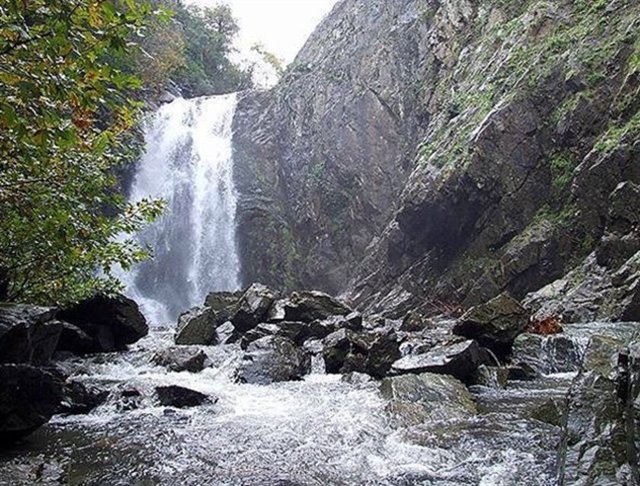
281, 26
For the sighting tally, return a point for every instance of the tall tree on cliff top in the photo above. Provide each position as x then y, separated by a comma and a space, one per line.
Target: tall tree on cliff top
65, 113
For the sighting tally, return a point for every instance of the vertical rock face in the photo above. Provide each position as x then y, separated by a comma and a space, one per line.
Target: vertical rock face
321, 159
420, 154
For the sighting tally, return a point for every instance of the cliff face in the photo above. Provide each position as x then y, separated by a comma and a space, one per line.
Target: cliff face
434, 154
322, 158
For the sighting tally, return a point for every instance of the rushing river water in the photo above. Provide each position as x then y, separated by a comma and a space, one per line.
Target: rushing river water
320, 431
188, 163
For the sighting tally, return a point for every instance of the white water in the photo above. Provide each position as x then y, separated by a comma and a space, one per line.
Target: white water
188, 163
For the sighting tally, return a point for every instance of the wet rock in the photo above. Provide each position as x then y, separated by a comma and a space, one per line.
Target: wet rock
273, 359
557, 353
79, 398
550, 412
368, 352
600, 431
417, 398
413, 322
222, 301
252, 308
459, 360
180, 397
298, 332
495, 324
29, 397
112, 322
197, 326
227, 334
181, 359
490, 376
75, 340
127, 398
28, 334
307, 306
356, 378
521, 372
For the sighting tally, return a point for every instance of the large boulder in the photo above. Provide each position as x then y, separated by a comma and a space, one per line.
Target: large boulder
308, 306
29, 397
601, 430
222, 301
459, 360
373, 353
181, 359
28, 333
252, 308
79, 398
180, 397
197, 326
75, 340
416, 398
494, 324
113, 322
298, 332
273, 359
556, 353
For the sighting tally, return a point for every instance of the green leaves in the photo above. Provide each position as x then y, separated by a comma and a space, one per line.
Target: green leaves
65, 113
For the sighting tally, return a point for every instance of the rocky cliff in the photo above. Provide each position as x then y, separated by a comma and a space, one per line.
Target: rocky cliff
434, 154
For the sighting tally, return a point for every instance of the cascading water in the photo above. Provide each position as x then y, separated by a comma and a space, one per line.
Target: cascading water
188, 163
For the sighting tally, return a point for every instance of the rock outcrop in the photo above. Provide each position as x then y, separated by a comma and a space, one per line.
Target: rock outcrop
112, 322
428, 156
29, 397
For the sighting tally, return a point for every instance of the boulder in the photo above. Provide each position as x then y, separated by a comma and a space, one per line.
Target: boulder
459, 360
253, 307
80, 399
113, 322
222, 301
600, 442
180, 397
273, 359
308, 306
75, 340
197, 326
556, 353
127, 397
227, 334
490, 376
28, 333
29, 397
495, 324
373, 353
415, 399
181, 359
298, 332
413, 322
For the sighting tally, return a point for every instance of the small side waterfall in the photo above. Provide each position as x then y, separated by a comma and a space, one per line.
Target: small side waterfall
188, 163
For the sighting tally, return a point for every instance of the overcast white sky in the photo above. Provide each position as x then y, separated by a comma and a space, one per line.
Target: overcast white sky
282, 26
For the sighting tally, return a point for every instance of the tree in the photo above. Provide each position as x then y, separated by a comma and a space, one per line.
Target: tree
65, 119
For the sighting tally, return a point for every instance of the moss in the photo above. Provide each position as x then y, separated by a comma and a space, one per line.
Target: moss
614, 136
562, 167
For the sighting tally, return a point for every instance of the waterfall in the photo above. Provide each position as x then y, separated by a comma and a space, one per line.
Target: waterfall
188, 163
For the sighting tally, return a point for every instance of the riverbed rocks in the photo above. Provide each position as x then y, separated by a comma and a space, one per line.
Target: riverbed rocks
178, 358
494, 324
308, 306
273, 359
458, 359
416, 398
252, 308
180, 397
601, 428
29, 397
28, 333
113, 322
79, 398
197, 326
